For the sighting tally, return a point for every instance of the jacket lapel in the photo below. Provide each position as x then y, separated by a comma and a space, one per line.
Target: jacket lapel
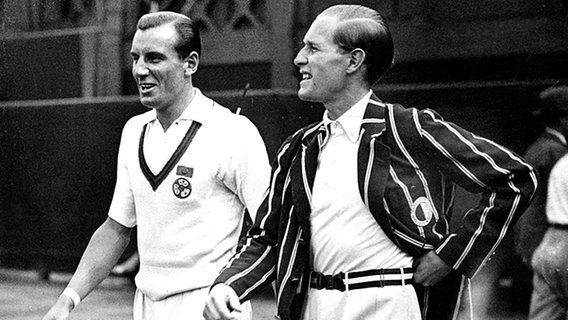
302, 174
373, 159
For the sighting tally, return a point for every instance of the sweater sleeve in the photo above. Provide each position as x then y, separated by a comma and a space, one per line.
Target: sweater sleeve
254, 265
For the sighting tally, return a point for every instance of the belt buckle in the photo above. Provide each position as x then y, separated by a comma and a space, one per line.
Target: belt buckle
328, 282
316, 279
338, 281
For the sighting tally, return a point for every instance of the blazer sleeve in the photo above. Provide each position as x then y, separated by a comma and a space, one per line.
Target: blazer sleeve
254, 265
506, 182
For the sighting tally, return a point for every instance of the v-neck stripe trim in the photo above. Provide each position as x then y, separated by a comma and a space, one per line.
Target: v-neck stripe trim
156, 180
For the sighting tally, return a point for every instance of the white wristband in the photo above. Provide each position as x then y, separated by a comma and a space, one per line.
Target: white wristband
73, 295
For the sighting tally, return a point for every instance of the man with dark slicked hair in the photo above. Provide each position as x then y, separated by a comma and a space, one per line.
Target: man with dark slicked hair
356, 221
187, 170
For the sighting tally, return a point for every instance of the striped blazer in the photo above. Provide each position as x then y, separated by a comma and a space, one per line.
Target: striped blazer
409, 162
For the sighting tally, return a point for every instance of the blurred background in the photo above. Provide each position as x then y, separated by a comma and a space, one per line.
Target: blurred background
66, 90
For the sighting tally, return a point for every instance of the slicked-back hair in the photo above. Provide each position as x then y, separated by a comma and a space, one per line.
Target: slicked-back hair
364, 28
188, 34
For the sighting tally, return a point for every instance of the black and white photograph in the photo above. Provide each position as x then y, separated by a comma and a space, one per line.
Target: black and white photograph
283, 159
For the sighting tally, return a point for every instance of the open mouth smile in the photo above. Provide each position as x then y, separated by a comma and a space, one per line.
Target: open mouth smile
144, 87
306, 76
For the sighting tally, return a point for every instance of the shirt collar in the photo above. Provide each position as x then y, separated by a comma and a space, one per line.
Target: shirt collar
351, 120
197, 110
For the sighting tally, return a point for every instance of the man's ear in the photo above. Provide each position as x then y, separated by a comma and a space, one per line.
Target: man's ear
191, 63
356, 59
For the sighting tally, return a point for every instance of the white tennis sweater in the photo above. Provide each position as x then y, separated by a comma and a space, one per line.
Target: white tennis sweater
189, 225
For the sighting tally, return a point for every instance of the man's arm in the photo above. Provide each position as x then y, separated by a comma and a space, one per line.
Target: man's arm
223, 303
429, 269
530, 228
506, 181
247, 272
254, 265
103, 251
248, 169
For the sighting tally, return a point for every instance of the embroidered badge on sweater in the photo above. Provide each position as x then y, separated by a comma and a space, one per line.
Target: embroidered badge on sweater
181, 188
184, 171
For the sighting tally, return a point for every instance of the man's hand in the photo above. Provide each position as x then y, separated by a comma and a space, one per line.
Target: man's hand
60, 310
429, 269
223, 304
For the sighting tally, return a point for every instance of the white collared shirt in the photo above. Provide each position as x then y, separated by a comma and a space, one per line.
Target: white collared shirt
345, 237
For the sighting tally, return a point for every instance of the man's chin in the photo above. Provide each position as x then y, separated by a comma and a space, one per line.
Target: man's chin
305, 96
147, 102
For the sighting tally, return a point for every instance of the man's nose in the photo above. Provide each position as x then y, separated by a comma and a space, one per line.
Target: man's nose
139, 68
300, 58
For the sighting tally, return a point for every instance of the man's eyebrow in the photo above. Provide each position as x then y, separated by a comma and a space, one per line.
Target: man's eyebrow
155, 54
308, 43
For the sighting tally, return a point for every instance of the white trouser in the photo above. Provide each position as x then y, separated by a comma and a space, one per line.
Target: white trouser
388, 303
187, 305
